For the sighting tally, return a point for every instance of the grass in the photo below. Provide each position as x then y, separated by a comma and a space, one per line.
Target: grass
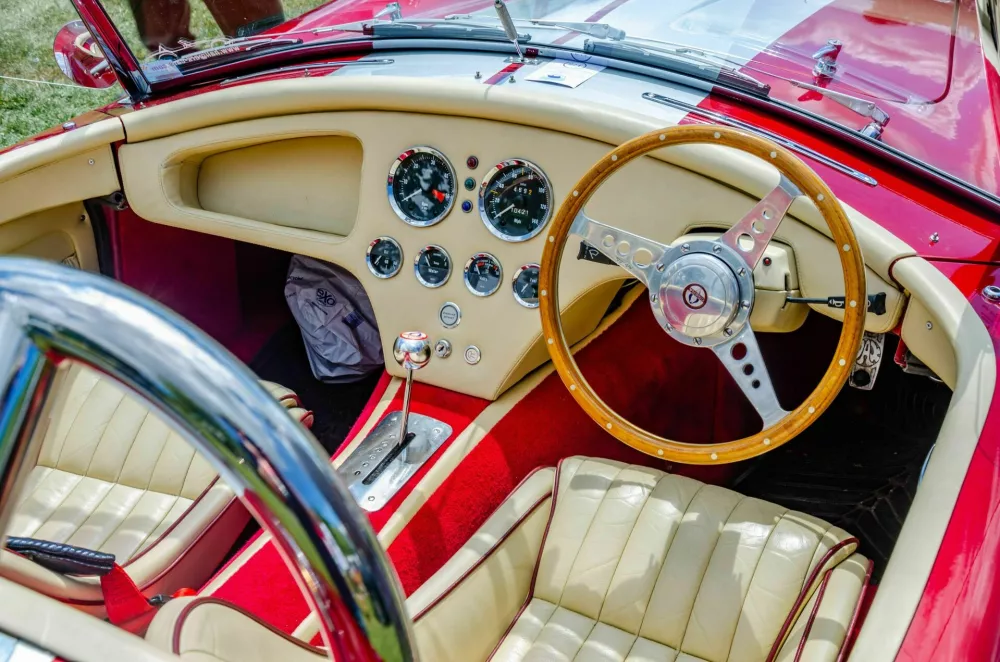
47, 98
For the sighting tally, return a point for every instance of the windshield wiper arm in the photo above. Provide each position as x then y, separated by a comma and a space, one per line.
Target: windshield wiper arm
679, 62
879, 118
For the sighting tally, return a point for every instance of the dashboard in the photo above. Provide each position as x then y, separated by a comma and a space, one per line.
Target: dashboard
443, 218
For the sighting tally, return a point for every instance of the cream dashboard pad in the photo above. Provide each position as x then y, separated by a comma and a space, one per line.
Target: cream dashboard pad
315, 184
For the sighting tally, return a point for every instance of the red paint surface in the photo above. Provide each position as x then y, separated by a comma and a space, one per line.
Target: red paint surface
958, 617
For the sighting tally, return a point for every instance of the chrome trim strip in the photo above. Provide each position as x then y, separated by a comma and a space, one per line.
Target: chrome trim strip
306, 68
50, 314
798, 148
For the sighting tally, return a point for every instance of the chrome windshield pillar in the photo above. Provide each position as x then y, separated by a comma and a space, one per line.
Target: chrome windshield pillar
50, 313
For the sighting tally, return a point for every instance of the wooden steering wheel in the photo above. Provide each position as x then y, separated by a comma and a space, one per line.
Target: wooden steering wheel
702, 292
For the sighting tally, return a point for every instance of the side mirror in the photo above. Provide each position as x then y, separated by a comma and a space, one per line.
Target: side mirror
80, 58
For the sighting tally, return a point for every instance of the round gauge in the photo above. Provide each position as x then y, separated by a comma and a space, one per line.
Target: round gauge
432, 266
525, 286
421, 186
483, 274
384, 257
515, 200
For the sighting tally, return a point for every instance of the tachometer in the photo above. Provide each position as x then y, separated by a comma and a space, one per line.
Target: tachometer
421, 186
384, 257
515, 200
525, 286
432, 266
483, 274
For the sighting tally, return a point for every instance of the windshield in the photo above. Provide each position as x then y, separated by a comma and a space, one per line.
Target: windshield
908, 74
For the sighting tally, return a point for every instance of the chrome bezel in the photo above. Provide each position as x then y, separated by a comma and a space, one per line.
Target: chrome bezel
490, 174
458, 319
392, 199
513, 285
416, 267
465, 274
368, 257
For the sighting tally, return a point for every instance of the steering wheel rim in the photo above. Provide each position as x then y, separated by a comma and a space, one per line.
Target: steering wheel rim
796, 179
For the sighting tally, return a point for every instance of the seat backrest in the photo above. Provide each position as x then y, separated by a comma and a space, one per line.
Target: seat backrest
694, 567
98, 429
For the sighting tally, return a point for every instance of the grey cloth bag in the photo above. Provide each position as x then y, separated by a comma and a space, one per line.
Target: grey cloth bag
336, 318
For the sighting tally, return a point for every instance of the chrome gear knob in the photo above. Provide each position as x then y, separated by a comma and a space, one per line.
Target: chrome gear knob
412, 350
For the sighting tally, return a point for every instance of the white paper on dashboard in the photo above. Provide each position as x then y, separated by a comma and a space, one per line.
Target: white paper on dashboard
567, 74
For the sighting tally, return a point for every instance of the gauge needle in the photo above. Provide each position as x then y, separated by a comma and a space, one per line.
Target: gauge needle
378, 258
524, 290
417, 192
505, 211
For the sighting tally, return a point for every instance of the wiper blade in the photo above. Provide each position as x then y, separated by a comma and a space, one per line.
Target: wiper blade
596, 30
438, 30
227, 48
680, 62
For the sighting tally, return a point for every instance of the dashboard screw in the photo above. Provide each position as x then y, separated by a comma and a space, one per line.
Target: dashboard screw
686, 247
930, 325
991, 293
716, 248
728, 332
660, 266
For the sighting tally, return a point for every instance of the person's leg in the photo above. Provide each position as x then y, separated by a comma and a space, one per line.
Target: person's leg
242, 18
162, 22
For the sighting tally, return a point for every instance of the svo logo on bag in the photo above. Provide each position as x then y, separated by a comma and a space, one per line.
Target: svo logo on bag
325, 298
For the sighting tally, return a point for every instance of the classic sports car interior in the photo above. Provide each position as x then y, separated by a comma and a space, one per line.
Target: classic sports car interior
654, 387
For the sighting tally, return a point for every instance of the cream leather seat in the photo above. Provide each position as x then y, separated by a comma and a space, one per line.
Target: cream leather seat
603, 561
111, 475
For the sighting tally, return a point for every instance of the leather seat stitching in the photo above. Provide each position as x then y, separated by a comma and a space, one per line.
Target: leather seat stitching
645, 502
743, 605
131, 447
666, 553
72, 426
104, 433
187, 472
96, 511
701, 580
163, 447
804, 594
159, 522
853, 624
41, 481
56, 508
538, 560
814, 558
586, 533
812, 615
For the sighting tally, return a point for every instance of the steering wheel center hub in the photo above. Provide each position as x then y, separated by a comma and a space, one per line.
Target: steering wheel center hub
703, 293
699, 295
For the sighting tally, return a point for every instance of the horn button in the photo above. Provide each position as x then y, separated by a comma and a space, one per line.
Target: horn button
699, 295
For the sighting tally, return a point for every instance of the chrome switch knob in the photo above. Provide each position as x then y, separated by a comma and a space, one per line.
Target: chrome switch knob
412, 350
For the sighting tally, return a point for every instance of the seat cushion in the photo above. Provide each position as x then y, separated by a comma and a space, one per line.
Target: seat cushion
638, 564
112, 475
634, 565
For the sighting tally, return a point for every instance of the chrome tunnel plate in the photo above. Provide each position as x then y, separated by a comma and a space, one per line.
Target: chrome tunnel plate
430, 435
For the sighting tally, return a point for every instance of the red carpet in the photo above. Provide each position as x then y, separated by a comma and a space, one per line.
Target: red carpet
675, 391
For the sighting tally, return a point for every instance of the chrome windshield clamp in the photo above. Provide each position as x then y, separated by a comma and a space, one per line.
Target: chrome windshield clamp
826, 60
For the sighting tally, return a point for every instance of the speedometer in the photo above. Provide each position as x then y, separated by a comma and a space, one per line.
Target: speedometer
515, 200
421, 186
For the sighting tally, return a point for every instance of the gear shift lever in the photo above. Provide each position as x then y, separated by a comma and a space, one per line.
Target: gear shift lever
412, 351
393, 452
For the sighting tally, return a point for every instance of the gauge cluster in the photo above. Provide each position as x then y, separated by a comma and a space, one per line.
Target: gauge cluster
514, 205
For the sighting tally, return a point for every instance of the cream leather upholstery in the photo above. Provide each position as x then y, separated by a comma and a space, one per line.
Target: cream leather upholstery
622, 563
113, 476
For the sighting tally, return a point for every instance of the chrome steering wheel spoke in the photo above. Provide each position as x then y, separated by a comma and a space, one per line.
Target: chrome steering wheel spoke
750, 235
636, 255
741, 356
